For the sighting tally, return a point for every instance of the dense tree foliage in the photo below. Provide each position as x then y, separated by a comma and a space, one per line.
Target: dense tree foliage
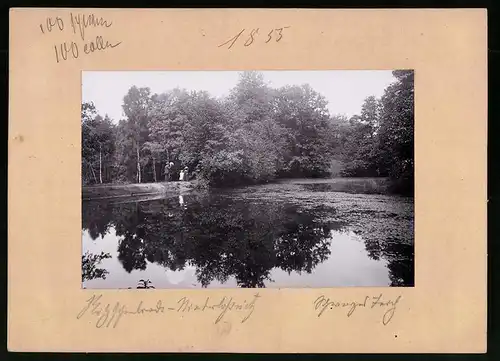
98, 146
255, 134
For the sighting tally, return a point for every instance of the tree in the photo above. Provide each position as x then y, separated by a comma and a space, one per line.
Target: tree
252, 96
136, 105
358, 140
394, 149
370, 114
89, 113
204, 134
106, 138
304, 114
98, 145
126, 168
166, 122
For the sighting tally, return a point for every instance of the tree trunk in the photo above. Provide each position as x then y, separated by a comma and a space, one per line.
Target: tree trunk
138, 165
154, 169
93, 173
100, 163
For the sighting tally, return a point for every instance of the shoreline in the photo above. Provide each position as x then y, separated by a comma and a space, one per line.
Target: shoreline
116, 191
175, 188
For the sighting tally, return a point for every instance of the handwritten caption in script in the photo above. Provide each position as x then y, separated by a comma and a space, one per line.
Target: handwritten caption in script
78, 25
321, 304
250, 36
108, 314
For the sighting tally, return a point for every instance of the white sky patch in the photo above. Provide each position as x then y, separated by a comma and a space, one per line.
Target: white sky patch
345, 90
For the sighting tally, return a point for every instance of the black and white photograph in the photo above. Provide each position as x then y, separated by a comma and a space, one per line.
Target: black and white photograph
247, 179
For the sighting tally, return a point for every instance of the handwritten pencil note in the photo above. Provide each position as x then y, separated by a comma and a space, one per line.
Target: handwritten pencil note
322, 303
80, 41
248, 37
108, 314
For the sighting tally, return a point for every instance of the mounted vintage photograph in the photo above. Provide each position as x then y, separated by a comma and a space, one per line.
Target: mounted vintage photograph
226, 179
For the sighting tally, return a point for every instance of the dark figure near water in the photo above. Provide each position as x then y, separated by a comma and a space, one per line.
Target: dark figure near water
168, 171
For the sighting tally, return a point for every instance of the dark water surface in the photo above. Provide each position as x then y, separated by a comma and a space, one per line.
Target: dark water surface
300, 233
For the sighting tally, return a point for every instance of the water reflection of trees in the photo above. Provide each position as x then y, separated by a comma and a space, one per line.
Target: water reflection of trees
90, 269
221, 238
399, 253
225, 238
97, 218
401, 264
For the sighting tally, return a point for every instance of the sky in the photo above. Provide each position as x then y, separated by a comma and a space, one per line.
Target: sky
345, 90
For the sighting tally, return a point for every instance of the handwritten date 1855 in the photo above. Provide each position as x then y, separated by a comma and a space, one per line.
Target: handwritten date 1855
276, 34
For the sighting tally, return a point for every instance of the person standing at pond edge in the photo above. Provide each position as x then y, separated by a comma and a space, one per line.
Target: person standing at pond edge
168, 168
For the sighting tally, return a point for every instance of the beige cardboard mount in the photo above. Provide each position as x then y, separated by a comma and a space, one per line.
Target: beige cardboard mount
444, 312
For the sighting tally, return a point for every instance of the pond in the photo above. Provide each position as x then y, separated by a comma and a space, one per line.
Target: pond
293, 233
